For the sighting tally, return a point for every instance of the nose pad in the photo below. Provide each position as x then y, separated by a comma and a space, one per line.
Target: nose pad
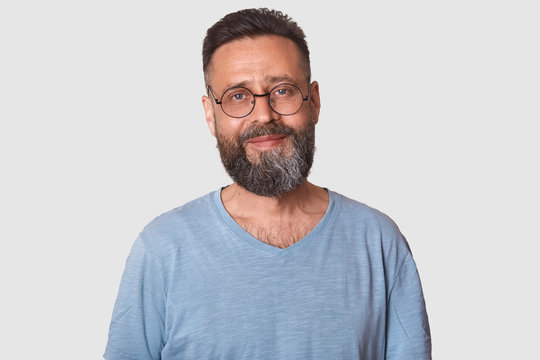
263, 111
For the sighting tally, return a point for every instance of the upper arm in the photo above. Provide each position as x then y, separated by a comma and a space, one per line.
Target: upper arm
407, 333
137, 325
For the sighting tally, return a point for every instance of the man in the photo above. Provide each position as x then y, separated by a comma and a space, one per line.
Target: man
272, 266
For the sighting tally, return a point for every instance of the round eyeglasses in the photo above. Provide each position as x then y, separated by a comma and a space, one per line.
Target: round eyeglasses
238, 101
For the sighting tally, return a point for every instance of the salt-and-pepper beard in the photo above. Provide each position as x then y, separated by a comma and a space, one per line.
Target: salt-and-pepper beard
276, 171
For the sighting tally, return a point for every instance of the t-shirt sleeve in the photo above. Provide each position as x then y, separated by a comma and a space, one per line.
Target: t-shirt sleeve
407, 334
136, 331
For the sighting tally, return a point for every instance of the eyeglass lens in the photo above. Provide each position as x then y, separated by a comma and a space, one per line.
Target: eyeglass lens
285, 99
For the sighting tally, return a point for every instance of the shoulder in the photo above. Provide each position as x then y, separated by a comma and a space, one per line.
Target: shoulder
181, 216
362, 214
377, 228
165, 232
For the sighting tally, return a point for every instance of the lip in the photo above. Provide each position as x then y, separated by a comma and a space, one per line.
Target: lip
265, 138
268, 141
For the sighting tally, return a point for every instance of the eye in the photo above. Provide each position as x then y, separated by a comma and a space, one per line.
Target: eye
284, 92
237, 95
281, 92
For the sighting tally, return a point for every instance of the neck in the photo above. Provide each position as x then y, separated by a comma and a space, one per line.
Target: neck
307, 198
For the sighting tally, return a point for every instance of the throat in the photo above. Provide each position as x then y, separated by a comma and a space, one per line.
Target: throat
279, 222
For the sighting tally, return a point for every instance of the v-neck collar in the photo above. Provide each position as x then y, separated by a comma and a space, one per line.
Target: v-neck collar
250, 240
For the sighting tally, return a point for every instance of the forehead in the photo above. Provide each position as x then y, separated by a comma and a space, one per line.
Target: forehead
258, 60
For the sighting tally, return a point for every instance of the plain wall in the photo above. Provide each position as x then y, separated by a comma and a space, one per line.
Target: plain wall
429, 113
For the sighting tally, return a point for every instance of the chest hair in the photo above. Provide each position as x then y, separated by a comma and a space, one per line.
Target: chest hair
281, 234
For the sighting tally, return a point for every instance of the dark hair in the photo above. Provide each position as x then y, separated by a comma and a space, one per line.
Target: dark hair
253, 23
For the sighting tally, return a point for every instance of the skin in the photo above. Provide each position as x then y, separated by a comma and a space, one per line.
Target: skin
259, 64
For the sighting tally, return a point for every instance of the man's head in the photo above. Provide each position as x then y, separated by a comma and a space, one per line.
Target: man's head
260, 105
252, 23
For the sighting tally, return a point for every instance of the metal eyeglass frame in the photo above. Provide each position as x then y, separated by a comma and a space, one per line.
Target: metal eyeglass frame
255, 96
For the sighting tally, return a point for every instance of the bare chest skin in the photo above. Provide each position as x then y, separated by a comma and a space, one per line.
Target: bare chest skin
280, 233
277, 222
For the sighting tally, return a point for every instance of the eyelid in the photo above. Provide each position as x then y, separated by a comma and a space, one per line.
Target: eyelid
235, 90
273, 89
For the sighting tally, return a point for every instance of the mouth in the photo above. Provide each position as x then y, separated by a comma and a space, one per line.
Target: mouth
266, 142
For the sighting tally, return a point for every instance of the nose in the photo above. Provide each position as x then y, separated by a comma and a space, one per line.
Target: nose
262, 111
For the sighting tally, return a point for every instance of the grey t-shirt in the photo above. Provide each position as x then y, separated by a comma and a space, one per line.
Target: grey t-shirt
198, 286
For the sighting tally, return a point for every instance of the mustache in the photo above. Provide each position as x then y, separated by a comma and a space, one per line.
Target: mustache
265, 130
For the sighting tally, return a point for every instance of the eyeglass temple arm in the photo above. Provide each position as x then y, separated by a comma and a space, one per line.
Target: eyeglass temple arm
209, 89
308, 91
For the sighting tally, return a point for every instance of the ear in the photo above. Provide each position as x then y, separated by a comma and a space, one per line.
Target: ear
315, 100
209, 115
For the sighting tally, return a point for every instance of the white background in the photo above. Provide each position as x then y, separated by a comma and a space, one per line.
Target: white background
430, 114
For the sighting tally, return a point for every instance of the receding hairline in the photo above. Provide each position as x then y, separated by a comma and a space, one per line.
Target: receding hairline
304, 61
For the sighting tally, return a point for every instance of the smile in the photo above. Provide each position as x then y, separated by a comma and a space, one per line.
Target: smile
266, 142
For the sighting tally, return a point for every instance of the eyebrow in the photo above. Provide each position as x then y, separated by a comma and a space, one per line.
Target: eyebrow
275, 79
268, 80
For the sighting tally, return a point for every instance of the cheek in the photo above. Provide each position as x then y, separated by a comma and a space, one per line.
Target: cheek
227, 131
228, 127
299, 120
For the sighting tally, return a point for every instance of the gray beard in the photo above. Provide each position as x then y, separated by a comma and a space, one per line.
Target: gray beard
275, 172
